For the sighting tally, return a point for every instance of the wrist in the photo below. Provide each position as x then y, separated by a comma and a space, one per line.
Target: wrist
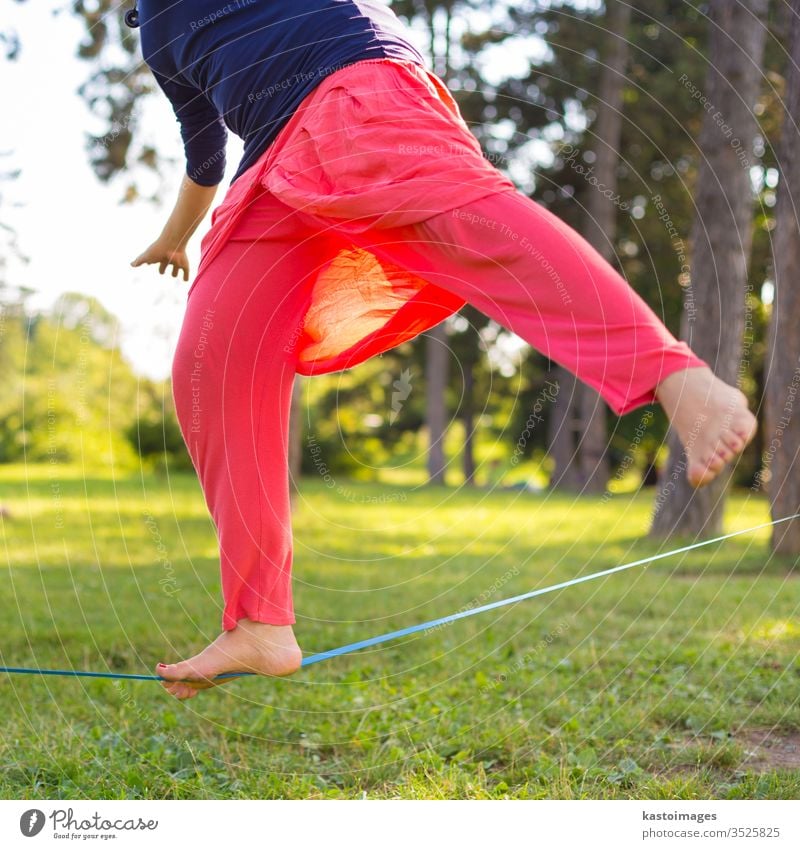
174, 240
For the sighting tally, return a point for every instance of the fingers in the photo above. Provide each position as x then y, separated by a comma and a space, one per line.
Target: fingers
181, 266
146, 257
177, 264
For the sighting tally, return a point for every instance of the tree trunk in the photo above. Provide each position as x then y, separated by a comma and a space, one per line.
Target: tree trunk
715, 301
436, 356
592, 471
782, 414
468, 421
561, 440
436, 352
600, 227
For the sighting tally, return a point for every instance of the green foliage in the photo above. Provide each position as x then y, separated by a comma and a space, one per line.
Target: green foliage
71, 397
347, 420
369, 420
69, 391
155, 433
156, 437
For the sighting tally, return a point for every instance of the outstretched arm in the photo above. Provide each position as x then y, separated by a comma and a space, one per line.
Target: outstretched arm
169, 249
204, 138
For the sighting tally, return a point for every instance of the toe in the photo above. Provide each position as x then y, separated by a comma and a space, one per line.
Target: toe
181, 691
696, 473
704, 471
745, 427
724, 453
185, 692
167, 671
180, 671
715, 463
733, 442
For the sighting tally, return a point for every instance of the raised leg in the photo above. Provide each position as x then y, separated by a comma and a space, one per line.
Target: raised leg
524, 267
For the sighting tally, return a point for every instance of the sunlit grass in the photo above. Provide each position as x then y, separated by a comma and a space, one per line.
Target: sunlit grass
600, 690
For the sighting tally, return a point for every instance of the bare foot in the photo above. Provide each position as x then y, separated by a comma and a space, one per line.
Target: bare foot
249, 647
710, 417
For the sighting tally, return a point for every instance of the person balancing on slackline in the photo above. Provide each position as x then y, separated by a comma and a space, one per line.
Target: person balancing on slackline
362, 214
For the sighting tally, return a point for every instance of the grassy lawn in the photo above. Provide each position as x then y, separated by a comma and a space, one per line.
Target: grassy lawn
660, 682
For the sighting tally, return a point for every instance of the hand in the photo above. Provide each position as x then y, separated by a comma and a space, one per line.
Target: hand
165, 255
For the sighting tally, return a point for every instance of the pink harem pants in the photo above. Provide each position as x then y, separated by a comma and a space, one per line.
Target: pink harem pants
371, 218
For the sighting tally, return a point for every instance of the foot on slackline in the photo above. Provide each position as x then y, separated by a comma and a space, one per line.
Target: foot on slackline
711, 419
249, 647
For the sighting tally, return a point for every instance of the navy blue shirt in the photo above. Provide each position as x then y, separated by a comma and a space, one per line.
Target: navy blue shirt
246, 65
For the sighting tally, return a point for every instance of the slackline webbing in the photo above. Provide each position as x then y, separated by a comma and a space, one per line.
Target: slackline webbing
422, 626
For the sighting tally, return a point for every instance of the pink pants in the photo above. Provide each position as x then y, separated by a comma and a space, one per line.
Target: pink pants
276, 297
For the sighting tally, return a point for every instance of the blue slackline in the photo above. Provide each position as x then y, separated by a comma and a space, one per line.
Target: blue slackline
412, 629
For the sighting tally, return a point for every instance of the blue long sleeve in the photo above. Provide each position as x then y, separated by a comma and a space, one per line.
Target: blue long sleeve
202, 129
247, 65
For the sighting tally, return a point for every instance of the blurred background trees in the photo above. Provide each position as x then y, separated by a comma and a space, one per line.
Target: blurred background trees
721, 236
562, 96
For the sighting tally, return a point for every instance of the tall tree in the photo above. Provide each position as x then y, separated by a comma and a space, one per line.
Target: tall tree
721, 239
117, 81
782, 416
561, 431
437, 359
437, 356
553, 103
583, 422
468, 352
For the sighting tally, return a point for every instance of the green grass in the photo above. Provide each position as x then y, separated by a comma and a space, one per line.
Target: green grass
638, 685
